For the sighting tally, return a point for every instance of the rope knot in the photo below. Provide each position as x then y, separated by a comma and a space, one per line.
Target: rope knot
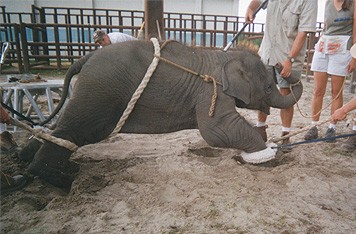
208, 78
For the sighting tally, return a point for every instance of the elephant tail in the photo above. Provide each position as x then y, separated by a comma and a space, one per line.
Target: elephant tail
73, 70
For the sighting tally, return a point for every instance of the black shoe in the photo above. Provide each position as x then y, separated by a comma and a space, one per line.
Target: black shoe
10, 184
311, 134
350, 144
8, 144
286, 142
330, 133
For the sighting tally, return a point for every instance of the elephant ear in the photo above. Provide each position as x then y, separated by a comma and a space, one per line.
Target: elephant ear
236, 82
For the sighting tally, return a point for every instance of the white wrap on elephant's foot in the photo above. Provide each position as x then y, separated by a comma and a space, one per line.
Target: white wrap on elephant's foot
260, 156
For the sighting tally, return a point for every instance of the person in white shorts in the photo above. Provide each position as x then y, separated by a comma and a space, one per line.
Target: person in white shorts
284, 41
104, 39
341, 114
332, 57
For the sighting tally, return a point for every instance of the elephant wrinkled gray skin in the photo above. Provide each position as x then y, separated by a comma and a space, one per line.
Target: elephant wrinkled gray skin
173, 100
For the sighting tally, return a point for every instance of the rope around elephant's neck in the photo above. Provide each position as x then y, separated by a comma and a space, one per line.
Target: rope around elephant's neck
206, 78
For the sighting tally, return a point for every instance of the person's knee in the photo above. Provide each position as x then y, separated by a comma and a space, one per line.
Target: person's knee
284, 91
336, 94
319, 92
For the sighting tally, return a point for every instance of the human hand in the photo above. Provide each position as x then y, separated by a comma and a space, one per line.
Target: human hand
338, 115
249, 18
287, 68
4, 116
352, 66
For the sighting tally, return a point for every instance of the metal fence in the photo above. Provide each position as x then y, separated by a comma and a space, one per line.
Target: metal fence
54, 37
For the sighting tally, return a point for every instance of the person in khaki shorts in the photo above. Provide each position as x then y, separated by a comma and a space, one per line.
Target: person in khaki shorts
284, 41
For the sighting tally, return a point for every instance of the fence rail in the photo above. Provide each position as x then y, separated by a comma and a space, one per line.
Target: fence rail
54, 37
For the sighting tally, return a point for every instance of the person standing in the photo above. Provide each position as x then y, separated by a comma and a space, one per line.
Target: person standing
104, 39
332, 57
284, 41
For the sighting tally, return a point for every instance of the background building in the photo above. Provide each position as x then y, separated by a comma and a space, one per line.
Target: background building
215, 7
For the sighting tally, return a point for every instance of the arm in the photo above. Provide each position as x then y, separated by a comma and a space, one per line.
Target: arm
4, 116
296, 48
341, 113
306, 23
254, 5
352, 65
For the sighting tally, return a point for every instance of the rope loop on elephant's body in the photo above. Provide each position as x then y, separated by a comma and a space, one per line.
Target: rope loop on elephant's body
41, 134
141, 87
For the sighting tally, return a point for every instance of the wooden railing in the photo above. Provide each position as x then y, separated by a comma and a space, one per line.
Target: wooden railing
54, 37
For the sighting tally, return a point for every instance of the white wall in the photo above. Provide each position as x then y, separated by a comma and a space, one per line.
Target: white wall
215, 7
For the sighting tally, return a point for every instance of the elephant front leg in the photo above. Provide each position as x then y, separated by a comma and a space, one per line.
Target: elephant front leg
227, 128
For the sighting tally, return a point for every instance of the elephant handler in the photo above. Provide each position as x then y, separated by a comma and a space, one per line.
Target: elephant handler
104, 39
284, 41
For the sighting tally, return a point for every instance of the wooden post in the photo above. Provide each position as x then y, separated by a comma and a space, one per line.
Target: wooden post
26, 60
154, 21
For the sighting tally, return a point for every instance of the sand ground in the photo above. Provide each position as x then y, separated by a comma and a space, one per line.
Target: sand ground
177, 183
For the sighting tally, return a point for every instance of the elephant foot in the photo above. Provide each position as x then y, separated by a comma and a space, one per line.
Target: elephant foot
28, 152
51, 163
61, 178
260, 156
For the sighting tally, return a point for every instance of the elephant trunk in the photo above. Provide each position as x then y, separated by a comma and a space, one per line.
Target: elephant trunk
283, 102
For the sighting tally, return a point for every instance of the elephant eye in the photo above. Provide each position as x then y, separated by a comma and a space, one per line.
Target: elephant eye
269, 88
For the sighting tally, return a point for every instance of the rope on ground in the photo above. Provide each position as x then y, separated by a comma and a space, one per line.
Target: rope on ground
41, 134
275, 140
299, 131
315, 140
140, 88
303, 115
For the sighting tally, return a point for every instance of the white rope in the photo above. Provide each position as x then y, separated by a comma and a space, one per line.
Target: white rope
40, 133
140, 88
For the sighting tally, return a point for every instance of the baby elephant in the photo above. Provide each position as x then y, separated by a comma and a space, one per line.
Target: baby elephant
175, 98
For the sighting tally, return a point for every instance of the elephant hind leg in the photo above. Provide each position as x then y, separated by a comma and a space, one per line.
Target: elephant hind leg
51, 164
28, 152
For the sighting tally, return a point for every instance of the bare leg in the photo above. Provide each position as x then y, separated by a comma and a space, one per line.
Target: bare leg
336, 86
262, 117
320, 82
286, 114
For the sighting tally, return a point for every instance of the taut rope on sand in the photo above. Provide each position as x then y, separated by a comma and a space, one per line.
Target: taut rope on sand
41, 134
